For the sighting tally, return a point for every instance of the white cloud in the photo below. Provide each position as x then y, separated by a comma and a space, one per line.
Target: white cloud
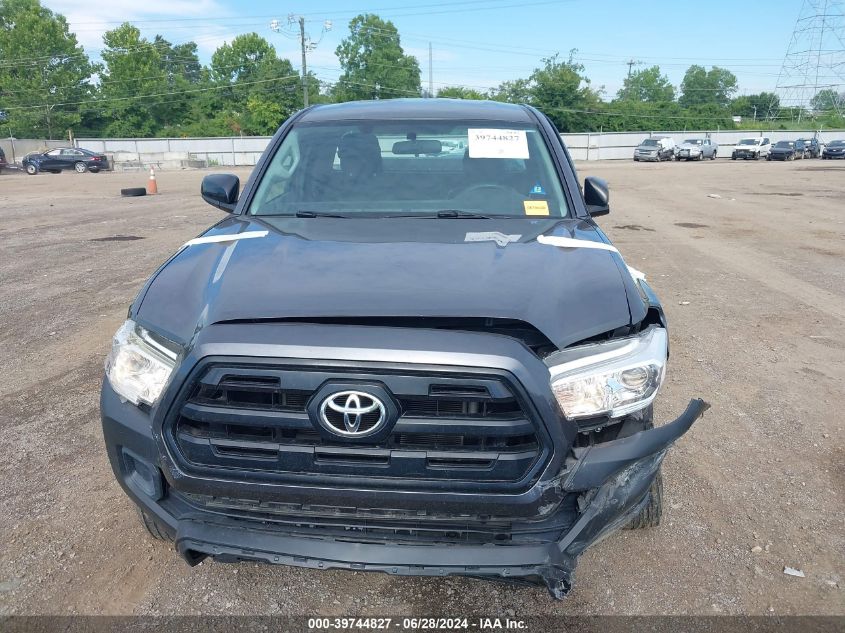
90, 20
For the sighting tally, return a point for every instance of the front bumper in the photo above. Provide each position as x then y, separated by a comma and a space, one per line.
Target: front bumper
611, 481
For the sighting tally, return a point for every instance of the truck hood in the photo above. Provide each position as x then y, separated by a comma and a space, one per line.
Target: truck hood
402, 267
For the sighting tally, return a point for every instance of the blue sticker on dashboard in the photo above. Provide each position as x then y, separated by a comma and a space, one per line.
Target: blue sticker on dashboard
537, 190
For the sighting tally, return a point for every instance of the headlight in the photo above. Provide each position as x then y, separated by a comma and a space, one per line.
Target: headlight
139, 364
613, 378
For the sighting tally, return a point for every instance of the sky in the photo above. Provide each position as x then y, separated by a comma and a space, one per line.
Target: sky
480, 43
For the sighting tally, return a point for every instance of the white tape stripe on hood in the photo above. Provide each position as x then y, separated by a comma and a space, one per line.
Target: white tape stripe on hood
231, 237
569, 242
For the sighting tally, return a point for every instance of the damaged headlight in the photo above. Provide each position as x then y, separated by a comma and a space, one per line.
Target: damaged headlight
612, 378
139, 364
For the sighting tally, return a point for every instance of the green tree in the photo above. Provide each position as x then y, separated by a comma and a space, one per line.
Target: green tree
563, 92
44, 72
515, 91
755, 106
707, 87
647, 85
828, 100
256, 89
374, 64
134, 85
459, 92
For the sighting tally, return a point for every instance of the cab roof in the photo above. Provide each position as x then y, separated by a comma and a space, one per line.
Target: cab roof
392, 109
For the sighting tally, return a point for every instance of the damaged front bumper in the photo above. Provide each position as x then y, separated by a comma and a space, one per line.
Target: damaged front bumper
612, 480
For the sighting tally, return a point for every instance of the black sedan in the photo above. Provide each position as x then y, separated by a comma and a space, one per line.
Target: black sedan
785, 150
834, 149
55, 160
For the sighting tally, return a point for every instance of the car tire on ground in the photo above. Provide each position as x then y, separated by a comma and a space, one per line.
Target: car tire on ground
757, 156
713, 157
133, 192
651, 513
31, 169
80, 167
154, 527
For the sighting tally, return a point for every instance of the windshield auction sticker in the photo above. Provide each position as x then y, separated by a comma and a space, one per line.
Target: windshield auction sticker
495, 143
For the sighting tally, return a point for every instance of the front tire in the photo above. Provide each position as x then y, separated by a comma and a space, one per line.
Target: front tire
652, 511
713, 156
31, 169
80, 167
153, 527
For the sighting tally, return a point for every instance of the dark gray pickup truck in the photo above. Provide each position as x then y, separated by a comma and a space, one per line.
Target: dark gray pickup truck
408, 348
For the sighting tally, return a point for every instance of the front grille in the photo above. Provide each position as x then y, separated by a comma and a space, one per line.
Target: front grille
453, 429
395, 525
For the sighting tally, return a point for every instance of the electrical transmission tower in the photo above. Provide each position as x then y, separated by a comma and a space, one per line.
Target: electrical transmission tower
814, 61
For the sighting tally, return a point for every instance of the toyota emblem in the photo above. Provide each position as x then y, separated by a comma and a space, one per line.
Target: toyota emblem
352, 413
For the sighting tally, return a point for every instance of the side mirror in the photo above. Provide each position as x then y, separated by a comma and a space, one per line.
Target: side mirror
221, 191
596, 196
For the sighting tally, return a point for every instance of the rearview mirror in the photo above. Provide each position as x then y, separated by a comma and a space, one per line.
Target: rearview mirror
221, 191
596, 196
427, 146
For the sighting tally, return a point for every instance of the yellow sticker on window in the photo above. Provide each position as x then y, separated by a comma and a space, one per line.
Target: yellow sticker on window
536, 207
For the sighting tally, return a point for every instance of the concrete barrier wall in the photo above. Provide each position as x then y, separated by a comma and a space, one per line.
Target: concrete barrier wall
246, 150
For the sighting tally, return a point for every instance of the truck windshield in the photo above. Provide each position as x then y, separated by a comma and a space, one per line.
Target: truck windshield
411, 168
650, 142
693, 141
748, 141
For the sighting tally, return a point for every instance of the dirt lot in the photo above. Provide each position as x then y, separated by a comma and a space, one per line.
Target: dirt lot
753, 280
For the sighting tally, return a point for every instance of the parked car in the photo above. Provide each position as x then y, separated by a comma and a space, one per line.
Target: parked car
655, 148
55, 160
834, 149
402, 399
3, 163
751, 148
696, 149
785, 150
811, 147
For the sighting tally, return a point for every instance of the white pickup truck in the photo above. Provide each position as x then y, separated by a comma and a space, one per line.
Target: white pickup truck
755, 148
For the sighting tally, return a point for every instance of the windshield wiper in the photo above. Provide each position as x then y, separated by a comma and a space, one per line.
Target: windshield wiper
457, 213
318, 214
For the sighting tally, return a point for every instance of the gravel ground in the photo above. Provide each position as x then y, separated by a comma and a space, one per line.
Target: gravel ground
748, 260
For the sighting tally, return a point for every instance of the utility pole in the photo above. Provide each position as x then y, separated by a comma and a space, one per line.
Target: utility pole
304, 62
631, 63
305, 43
430, 74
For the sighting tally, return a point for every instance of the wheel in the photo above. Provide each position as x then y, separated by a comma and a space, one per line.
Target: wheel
678, 158
757, 156
733, 156
31, 169
153, 527
636, 160
713, 157
80, 167
651, 513
133, 192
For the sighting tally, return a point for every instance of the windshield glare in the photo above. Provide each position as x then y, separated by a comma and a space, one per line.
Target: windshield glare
650, 143
408, 168
693, 141
836, 144
784, 144
748, 141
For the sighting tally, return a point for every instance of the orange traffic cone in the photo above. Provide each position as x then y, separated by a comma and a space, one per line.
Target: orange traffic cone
152, 187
